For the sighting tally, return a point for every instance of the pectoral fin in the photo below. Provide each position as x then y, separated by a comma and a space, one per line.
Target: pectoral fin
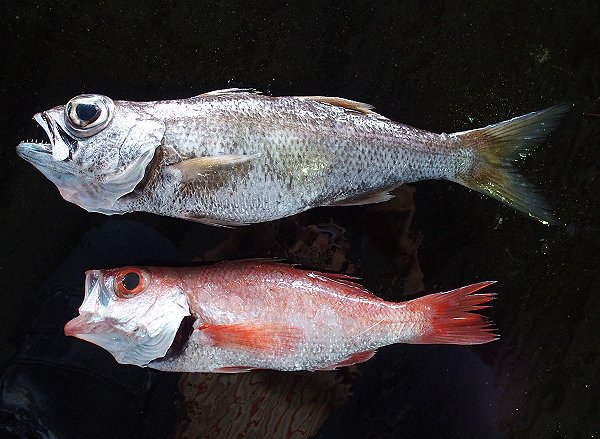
192, 169
264, 337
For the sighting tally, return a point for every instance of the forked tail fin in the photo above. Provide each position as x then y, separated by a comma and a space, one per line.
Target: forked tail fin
448, 319
497, 147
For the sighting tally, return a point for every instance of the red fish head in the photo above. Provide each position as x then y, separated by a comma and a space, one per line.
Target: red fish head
132, 312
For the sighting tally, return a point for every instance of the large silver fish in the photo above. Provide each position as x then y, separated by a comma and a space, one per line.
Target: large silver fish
232, 157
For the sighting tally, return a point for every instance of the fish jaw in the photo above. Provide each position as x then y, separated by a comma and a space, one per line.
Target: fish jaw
62, 173
125, 345
58, 172
130, 338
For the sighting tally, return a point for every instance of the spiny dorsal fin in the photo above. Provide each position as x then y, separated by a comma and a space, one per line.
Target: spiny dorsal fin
347, 104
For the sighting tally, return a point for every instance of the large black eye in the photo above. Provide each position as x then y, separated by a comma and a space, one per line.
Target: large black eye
129, 282
87, 112
86, 115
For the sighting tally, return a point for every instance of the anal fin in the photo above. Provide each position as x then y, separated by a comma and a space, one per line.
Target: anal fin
358, 357
234, 369
378, 197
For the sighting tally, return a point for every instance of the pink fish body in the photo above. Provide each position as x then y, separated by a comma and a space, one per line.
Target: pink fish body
256, 314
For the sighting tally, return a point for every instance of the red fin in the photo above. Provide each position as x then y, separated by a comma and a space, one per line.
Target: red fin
263, 337
450, 319
358, 357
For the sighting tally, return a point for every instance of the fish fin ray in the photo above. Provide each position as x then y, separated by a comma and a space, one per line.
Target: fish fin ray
235, 369
497, 147
450, 320
227, 91
358, 357
379, 197
263, 337
346, 104
354, 288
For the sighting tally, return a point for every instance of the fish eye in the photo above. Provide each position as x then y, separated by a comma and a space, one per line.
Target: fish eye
86, 115
129, 282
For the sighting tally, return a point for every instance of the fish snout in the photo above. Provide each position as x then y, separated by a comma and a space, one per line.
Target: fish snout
86, 323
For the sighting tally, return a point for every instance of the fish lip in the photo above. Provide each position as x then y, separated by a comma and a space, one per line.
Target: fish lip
29, 148
86, 322
80, 325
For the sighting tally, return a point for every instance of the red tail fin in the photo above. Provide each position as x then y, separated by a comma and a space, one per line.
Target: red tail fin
449, 319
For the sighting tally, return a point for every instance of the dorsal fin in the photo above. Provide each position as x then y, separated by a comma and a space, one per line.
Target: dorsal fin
346, 104
354, 288
227, 91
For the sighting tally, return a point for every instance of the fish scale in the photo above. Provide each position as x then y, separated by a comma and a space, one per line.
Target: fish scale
233, 157
335, 163
260, 314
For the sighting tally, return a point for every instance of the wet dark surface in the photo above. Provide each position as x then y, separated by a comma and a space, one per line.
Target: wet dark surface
442, 68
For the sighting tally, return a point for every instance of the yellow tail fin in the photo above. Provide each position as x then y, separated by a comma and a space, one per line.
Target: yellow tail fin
497, 147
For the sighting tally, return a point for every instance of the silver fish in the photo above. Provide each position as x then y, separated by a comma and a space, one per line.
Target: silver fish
232, 157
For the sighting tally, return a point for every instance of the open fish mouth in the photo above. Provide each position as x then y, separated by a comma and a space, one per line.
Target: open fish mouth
61, 146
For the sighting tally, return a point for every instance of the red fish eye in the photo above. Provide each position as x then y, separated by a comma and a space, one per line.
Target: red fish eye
129, 282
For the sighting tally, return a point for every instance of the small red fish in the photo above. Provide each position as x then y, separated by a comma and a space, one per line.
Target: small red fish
257, 314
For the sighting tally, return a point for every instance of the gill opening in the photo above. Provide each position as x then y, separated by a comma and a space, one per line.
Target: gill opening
186, 327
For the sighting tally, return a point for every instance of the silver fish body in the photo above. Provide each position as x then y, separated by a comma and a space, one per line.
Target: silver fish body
234, 157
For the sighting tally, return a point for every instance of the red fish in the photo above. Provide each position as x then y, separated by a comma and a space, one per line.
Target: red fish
257, 314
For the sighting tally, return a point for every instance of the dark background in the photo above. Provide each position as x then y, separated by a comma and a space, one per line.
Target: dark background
441, 66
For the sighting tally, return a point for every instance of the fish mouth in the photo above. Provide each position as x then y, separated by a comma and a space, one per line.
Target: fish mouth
88, 328
61, 147
88, 325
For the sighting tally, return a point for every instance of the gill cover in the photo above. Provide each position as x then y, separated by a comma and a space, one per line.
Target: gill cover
135, 328
99, 149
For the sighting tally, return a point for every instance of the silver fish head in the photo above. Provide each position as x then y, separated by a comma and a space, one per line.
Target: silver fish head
131, 312
99, 149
